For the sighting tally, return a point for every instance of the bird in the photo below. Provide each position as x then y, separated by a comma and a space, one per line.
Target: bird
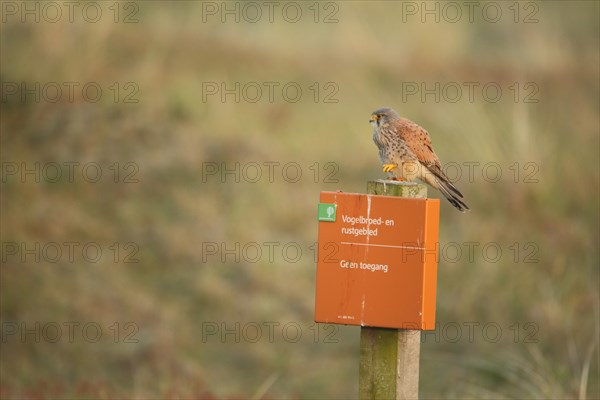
406, 154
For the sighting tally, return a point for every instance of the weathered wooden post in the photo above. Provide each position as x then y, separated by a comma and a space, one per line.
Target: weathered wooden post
389, 358
382, 277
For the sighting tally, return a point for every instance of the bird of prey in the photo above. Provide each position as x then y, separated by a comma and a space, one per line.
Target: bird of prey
406, 153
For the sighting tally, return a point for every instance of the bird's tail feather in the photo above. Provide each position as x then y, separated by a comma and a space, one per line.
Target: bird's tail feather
452, 195
449, 191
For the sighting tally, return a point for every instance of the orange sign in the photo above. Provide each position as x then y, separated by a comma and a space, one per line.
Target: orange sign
377, 263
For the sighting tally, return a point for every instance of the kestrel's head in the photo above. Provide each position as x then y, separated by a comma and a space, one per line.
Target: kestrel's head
383, 116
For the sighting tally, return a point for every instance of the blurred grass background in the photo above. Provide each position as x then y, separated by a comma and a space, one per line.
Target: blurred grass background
171, 294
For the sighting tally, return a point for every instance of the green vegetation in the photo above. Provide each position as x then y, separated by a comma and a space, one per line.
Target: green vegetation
542, 212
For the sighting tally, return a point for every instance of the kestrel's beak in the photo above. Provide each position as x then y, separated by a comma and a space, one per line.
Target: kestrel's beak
372, 119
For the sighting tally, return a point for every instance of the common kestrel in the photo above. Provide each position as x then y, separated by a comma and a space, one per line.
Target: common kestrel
406, 153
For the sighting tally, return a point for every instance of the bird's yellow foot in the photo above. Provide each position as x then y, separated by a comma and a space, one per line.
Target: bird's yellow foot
389, 167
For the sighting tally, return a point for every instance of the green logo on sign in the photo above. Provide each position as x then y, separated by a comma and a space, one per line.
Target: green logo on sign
327, 212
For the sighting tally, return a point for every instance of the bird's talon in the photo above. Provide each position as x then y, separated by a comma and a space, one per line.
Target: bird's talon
388, 167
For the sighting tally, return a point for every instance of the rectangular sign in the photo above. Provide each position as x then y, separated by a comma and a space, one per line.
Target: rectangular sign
377, 261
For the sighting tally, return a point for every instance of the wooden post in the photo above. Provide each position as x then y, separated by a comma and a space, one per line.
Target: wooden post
389, 358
